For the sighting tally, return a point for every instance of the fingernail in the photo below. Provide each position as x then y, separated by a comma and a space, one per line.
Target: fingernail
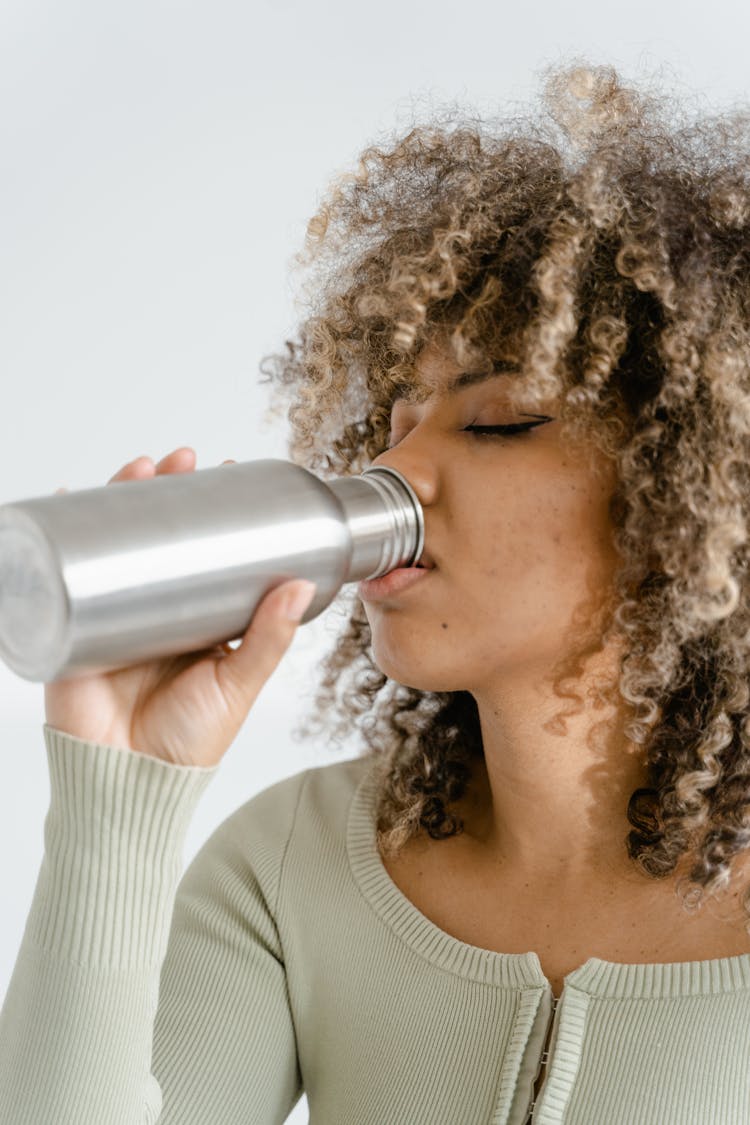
297, 602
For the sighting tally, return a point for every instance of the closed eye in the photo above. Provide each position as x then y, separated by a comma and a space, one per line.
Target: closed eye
507, 431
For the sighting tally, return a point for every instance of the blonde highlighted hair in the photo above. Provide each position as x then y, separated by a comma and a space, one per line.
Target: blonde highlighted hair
601, 244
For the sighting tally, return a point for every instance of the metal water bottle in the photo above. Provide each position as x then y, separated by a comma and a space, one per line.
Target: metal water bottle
108, 577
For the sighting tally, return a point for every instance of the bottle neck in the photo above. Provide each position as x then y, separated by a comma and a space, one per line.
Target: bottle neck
385, 520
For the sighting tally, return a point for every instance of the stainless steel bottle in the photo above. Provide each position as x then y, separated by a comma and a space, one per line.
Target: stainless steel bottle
107, 577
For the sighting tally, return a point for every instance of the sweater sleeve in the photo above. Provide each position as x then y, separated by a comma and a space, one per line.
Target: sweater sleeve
139, 997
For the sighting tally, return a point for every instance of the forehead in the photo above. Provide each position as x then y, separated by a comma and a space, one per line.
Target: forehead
437, 374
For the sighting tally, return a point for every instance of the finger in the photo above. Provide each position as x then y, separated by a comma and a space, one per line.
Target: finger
244, 670
181, 460
59, 490
139, 469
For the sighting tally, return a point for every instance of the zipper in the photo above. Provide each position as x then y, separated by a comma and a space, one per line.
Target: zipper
543, 1060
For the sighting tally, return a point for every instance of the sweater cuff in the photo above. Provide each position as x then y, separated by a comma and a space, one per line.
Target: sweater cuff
113, 841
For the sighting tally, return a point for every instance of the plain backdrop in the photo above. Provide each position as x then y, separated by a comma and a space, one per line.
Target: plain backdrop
160, 161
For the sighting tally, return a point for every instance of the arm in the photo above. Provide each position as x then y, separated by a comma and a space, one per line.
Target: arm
138, 998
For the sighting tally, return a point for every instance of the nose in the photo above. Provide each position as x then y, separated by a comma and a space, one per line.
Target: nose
420, 471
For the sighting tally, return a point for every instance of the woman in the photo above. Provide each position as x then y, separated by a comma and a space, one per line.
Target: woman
527, 898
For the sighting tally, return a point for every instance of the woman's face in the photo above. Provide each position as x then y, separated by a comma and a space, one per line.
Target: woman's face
518, 529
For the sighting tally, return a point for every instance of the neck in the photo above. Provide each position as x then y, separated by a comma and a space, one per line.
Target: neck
548, 799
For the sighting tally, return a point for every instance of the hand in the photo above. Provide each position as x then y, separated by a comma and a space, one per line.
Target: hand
184, 709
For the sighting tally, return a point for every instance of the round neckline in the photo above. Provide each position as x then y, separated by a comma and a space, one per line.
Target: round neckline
596, 976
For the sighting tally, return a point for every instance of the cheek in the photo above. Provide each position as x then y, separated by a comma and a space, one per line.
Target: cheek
543, 555
510, 544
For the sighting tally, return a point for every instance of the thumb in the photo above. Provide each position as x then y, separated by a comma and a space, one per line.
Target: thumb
245, 669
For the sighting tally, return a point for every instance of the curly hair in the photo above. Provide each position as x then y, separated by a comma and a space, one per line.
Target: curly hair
602, 246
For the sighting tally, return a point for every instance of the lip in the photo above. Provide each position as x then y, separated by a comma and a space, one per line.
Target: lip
394, 582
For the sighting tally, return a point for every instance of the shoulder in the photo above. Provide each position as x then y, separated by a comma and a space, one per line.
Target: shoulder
321, 787
289, 821
307, 800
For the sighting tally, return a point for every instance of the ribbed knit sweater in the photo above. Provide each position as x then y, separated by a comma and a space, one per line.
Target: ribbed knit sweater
284, 959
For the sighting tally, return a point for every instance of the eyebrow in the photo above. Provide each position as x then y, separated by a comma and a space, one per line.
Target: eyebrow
500, 368
471, 378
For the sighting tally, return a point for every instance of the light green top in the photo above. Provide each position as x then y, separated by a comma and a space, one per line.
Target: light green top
284, 959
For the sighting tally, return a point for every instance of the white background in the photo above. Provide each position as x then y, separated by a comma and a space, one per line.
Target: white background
159, 164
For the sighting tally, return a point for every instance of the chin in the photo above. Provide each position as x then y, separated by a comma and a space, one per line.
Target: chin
415, 674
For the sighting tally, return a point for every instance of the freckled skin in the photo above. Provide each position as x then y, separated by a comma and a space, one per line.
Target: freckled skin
520, 531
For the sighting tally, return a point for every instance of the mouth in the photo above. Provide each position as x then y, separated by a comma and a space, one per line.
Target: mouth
392, 585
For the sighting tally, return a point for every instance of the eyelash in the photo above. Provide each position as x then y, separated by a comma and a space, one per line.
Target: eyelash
503, 431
